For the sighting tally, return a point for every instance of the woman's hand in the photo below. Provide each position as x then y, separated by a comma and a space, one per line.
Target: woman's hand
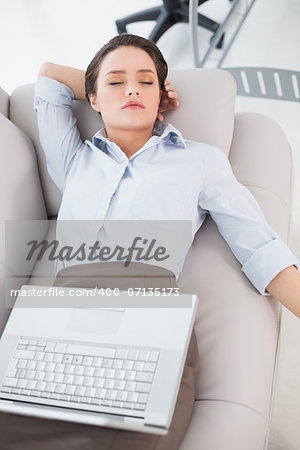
168, 100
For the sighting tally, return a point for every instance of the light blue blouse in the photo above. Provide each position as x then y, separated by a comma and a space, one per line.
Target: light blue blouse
169, 179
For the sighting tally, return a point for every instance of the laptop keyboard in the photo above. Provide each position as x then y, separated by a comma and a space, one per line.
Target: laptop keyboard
83, 373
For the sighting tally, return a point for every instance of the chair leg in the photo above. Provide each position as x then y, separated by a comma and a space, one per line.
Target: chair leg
220, 41
147, 14
207, 23
213, 26
182, 15
171, 5
164, 22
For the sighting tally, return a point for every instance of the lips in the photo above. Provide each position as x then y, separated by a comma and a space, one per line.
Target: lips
134, 105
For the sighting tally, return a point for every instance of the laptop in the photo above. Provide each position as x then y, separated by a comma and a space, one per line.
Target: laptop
114, 359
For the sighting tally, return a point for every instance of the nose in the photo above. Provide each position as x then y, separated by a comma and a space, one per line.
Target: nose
133, 90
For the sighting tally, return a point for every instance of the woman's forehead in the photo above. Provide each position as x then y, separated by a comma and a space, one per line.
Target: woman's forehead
125, 59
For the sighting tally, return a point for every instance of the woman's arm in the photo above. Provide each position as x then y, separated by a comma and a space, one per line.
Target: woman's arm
73, 78
58, 132
266, 260
285, 287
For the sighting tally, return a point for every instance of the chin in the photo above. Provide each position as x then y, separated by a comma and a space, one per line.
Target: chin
137, 125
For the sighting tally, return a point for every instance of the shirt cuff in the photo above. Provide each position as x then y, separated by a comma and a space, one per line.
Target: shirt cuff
53, 92
266, 262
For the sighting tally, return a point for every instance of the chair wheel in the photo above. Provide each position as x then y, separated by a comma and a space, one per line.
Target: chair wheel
220, 42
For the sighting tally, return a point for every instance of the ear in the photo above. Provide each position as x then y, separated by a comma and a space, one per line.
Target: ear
93, 102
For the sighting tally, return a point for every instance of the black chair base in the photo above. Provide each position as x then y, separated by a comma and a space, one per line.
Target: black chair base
167, 15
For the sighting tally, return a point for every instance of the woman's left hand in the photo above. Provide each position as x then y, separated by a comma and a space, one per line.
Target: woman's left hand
168, 100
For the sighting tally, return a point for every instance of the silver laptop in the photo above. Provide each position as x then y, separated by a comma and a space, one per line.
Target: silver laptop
112, 360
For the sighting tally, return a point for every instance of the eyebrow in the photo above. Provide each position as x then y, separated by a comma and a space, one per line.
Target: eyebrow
124, 71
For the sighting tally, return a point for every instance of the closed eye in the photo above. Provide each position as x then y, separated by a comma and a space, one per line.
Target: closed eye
119, 82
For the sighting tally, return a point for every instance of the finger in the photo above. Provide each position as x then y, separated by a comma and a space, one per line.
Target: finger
169, 87
173, 95
173, 105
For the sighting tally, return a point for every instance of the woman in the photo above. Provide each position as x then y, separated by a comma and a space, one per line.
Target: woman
132, 162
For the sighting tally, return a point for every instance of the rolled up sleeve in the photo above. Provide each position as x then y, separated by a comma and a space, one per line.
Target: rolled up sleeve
58, 132
267, 262
242, 224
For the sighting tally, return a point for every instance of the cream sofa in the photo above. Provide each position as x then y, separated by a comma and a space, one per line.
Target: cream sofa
237, 328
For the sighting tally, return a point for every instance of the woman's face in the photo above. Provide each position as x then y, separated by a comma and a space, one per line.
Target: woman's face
127, 74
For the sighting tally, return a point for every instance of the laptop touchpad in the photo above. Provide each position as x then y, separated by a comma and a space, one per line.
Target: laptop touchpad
98, 320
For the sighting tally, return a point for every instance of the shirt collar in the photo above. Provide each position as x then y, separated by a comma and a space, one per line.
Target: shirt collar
161, 130
167, 131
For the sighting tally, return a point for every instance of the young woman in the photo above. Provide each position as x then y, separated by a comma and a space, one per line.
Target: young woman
125, 83
134, 162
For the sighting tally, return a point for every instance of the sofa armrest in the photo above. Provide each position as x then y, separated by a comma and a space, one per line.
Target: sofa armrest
4, 103
21, 196
237, 328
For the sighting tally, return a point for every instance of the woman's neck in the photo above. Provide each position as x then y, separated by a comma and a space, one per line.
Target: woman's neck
129, 141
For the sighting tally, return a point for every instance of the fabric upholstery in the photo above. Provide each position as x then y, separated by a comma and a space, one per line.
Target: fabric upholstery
21, 195
267, 157
4, 103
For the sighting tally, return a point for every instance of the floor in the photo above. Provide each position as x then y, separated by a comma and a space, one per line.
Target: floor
33, 31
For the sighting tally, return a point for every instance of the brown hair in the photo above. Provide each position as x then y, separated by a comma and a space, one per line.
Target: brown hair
148, 46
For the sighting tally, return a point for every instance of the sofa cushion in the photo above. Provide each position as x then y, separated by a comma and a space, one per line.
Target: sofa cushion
206, 111
221, 425
261, 156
